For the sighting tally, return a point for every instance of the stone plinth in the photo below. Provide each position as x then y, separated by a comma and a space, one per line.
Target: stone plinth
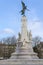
24, 52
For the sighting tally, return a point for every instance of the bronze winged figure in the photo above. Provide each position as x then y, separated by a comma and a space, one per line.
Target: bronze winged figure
24, 8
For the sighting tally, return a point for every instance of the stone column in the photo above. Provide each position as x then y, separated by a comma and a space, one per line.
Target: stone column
24, 31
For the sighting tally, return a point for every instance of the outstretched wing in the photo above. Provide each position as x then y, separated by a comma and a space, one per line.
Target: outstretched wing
23, 4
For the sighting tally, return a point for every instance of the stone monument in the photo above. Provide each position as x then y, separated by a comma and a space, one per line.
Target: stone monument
24, 48
24, 54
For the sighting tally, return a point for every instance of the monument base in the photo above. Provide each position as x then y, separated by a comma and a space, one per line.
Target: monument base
24, 52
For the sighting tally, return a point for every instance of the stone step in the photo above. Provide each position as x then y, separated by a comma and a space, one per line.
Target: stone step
21, 62
26, 60
24, 57
10, 63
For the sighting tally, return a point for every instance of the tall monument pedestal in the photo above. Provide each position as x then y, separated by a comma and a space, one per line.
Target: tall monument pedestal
24, 48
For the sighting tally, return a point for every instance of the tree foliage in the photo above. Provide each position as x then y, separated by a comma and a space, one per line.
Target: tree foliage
36, 40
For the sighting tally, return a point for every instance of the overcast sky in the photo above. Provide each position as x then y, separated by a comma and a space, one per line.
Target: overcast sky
10, 18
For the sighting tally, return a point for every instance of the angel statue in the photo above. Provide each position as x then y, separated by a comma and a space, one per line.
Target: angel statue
24, 8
